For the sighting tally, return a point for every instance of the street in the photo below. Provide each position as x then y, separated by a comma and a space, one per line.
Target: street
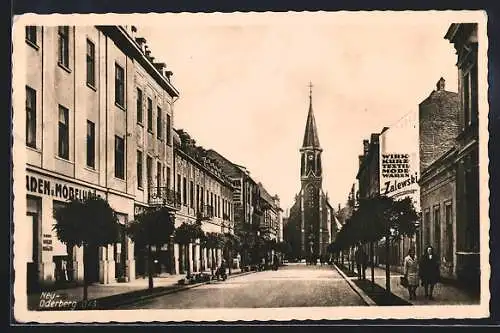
295, 285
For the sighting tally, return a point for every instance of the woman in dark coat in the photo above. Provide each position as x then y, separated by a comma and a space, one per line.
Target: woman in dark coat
429, 271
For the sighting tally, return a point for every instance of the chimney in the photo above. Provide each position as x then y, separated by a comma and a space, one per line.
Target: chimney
440, 84
366, 147
141, 41
159, 66
168, 74
133, 31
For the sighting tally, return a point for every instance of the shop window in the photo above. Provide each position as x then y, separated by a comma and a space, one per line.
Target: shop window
449, 232
437, 231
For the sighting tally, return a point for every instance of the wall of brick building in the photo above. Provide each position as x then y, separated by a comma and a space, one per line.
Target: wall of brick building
438, 117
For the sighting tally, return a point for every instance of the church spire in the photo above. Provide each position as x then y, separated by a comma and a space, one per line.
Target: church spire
311, 134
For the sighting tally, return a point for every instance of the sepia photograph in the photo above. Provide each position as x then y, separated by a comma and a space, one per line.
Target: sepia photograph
250, 166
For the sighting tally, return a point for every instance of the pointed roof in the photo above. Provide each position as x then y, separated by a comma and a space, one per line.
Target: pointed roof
311, 134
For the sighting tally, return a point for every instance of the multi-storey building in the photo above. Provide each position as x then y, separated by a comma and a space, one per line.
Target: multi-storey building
206, 194
438, 120
98, 108
246, 201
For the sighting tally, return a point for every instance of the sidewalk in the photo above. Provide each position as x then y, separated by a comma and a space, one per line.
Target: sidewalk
444, 294
109, 295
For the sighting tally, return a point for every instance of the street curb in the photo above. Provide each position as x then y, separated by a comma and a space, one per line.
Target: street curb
172, 291
368, 301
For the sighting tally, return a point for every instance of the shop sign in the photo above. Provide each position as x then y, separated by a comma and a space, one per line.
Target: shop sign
47, 242
57, 189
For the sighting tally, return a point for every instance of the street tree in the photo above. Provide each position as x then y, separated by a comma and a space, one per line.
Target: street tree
152, 227
87, 223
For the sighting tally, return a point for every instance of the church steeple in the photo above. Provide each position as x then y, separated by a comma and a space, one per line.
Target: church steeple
311, 134
311, 169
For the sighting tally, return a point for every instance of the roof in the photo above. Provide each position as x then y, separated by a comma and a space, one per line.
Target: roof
311, 133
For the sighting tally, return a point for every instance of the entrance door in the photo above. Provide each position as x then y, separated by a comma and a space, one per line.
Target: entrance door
32, 253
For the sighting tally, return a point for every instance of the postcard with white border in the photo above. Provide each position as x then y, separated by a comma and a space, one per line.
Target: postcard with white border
250, 166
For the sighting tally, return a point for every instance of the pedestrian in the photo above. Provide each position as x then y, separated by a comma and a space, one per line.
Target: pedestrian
429, 271
410, 268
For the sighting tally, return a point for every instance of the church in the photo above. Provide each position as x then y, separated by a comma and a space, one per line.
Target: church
309, 229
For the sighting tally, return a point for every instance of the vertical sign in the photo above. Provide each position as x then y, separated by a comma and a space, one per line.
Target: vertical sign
399, 159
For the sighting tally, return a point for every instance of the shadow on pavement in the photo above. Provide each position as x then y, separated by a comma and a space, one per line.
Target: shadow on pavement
378, 294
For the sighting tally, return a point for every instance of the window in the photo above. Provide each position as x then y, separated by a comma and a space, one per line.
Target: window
63, 138
90, 144
469, 96
198, 197
158, 123
119, 86
191, 194
184, 191
139, 106
30, 117
90, 63
427, 228
202, 200
139, 169
63, 33
150, 115
449, 233
31, 34
149, 170
169, 131
158, 174
179, 188
169, 182
119, 157
437, 231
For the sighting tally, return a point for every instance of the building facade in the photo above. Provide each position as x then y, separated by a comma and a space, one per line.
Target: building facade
438, 118
206, 194
246, 203
83, 131
309, 229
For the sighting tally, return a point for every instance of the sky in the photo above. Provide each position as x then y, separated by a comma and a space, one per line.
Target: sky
244, 87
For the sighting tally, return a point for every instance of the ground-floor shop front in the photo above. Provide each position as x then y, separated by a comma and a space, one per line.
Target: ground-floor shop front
51, 262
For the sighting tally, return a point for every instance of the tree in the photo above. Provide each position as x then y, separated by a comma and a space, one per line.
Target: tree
231, 243
187, 233
152, 227
90, 223
212, 241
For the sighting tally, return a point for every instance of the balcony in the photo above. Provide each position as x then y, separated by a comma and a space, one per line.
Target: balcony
165, 197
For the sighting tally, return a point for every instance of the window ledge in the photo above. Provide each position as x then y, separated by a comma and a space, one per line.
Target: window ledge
91, 86
120, 106
66, 68
150, 131
64, 160
35, 149
91, 169
32, 44
140, 124
140, 188
119, 179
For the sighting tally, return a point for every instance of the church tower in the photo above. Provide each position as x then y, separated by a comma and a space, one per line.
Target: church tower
311, 176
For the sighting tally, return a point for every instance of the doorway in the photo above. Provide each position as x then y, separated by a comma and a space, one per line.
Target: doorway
32, 278
91, 270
